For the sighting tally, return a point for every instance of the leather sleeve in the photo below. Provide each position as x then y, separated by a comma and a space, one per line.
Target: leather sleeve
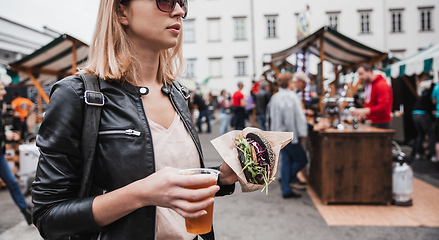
224, 189
58, 212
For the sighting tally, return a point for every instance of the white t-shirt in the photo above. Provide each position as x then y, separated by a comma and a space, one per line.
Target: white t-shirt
173, 147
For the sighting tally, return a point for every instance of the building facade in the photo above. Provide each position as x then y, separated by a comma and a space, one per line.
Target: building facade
225, 40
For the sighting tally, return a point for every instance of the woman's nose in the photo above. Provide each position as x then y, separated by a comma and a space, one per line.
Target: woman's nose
178, 10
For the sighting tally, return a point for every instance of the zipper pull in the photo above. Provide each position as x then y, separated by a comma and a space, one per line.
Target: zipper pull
132, 132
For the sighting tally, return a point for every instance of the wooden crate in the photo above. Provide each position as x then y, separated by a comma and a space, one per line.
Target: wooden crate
352, 166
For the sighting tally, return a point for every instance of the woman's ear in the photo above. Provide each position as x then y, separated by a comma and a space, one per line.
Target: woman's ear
122, 14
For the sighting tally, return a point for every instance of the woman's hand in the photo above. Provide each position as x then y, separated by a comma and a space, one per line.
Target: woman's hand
227, 175
166, 188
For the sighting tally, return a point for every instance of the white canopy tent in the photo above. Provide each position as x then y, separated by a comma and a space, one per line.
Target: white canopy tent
422, 62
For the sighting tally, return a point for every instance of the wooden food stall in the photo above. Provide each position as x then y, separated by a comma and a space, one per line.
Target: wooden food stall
346, 165
351, 165
56, 60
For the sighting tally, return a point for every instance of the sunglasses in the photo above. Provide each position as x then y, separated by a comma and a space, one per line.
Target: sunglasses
169, 5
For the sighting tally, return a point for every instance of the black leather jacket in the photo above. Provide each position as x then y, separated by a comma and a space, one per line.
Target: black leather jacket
122, 157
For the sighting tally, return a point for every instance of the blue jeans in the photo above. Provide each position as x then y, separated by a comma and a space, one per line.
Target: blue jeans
262, 119
293, 160
225, 118
206, 114
11, 182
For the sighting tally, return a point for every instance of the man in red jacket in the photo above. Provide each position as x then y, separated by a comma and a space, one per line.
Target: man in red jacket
377, 97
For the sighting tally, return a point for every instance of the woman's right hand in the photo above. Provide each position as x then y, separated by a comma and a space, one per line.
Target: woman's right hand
164, 188
167, 188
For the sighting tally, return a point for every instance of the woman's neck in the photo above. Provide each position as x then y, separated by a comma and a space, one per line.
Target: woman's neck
149, 64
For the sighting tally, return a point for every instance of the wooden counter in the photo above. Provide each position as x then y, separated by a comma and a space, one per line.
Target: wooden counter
352, 165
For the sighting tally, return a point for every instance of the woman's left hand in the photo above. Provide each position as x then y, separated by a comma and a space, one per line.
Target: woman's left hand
227, 175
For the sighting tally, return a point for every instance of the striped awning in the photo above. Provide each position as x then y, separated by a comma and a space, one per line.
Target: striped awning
422, 61
57, 58
337, 49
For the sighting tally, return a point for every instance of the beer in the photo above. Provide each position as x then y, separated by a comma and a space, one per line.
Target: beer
203, 224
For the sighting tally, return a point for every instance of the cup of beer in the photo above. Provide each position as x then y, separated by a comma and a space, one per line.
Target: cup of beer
202, 224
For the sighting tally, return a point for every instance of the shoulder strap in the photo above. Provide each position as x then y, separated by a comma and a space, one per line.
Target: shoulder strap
94, 100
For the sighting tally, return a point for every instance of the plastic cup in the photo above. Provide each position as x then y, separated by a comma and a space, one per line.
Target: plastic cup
202, 224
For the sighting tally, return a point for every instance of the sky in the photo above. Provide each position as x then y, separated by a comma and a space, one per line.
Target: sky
74, 17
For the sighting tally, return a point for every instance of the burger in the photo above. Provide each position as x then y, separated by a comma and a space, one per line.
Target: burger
256, 157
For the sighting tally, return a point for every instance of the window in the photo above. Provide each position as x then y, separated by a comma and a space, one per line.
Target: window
240, 66
396, 20
190, 70
214, 29
398, 53
271, 26
215, 67
365, 21
333, 19
426, 17
239, 28
189, 31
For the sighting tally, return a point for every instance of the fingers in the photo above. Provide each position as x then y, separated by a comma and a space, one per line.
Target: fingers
192, 209
196, 195
195, 181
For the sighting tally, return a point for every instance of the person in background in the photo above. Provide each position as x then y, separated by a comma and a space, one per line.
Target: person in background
300, 81
239, 103
22, 107
378, 98
250, 105
203, 112
5, 171
286, 115
146, 136
435, 99
224, 104
422, 117
261, 100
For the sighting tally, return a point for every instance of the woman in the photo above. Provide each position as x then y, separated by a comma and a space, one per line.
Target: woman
135, 51
224, 104
5, 171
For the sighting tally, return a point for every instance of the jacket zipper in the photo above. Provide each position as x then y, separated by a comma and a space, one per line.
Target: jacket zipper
129, 132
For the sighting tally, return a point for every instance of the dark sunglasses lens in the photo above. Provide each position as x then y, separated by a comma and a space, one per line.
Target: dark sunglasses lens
165, 5
168, 5
184, 7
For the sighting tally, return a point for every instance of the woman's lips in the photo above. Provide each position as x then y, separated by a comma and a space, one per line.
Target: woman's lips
174, 28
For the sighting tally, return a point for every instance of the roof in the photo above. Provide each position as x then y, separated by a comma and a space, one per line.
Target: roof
17, 38
422, 61
338, 49
55, 58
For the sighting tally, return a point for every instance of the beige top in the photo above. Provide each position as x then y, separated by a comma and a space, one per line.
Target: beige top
173, 147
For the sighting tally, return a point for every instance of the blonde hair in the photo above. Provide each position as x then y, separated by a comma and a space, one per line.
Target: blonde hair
112, 55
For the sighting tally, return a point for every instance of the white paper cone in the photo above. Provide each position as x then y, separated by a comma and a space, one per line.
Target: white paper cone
226, 147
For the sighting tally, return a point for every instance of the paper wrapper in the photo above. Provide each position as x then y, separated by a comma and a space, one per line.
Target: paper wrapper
225, 145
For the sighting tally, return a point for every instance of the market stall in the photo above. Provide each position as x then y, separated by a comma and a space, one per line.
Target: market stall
56, 60
407, 75
347, 165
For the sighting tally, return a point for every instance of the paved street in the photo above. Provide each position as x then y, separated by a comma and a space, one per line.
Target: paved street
255, 215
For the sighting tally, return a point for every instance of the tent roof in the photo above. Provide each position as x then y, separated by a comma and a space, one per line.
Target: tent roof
422, 61
56, 58
338, 49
